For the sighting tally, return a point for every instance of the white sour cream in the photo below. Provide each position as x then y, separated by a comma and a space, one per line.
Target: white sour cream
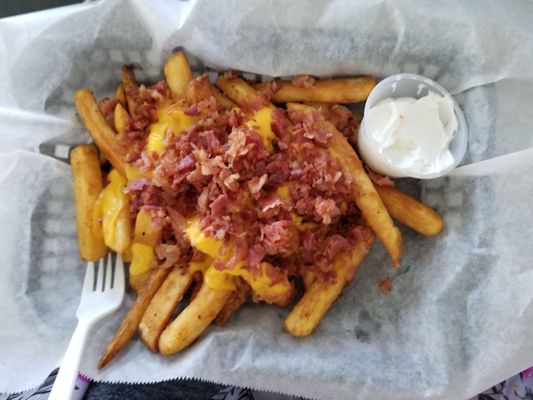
414, 135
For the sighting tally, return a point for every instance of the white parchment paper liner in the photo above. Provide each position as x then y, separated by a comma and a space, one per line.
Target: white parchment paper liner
459, 317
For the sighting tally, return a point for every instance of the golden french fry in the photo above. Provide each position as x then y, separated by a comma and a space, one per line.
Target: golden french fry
120, 95
201, 89
193, 320
129, 83
363, 191
178, 75
129, 325
320, 295
223, 101
163, 304
410, 212
137, 281
113, 209
198, 282
240, 91
349, 90
120, 118
198, 89
88, 185
237, 299
101, 132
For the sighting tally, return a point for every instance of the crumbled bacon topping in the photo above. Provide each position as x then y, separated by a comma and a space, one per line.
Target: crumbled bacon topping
288, 209
304, 81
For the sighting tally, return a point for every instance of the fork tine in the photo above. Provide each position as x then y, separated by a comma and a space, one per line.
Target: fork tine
110, 266
118, 277
88, 283
100, 274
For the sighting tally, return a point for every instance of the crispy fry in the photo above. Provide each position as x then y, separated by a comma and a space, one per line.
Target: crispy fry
120, 118
198, 89
112, 208
163, 304
137, 281
223, 101
129, 83
193, 320
129, 325
350, 90
120, 95
145, 238
201, 89
88, 185
237, 299
100, 131
363, 191
410, 212
178, 75
240, 92
198, 282
319, 297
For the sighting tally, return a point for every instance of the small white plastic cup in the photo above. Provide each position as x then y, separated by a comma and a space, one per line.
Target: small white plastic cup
416, 86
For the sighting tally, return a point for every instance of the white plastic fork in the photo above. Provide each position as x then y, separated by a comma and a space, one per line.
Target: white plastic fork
102, 294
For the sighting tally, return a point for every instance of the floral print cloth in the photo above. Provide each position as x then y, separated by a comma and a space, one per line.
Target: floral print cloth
518, 387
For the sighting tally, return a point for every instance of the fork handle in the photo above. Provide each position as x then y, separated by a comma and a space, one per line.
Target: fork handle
68, 372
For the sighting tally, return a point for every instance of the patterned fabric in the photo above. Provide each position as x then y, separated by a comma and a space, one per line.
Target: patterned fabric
518, 387
42, 392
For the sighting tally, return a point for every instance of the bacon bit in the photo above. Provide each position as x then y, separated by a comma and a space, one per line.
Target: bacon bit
177, 221
327, 209
132, 157
168, 254
335, 245
269, 90
304, 81
218, 206
385, 285
256, 255
186, 164
256, 184
232, 182
340, 116
192, 110
280, 237
107, 106
379, 179
231, 74
138, 184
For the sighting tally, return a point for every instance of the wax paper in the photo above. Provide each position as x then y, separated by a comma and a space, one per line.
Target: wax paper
459, 316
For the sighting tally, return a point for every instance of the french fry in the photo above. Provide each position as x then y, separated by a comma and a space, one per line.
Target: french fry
137, 281
163, 304
223, 101
113, 208
320, 295
363, 191
88, 185
237, 299
129, 83
101, 132
193, 320
350, 90
178, 75
146, 237
120, 95
410, 212
198, 89
129, 325
240, 92
201, 89
120, 118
